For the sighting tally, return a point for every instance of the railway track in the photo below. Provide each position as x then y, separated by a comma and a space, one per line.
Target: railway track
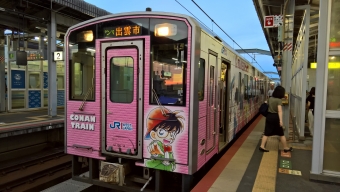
39, 170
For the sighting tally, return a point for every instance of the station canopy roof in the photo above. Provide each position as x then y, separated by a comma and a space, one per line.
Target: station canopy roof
31, 17
275, 7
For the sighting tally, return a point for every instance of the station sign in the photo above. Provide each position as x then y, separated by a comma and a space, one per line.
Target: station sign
58, 56
272, 21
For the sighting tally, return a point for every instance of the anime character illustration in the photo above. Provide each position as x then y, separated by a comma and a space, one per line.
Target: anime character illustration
234, 105
163, 125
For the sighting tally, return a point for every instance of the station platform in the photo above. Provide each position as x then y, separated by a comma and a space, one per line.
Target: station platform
18, 123
244, 168
69, 186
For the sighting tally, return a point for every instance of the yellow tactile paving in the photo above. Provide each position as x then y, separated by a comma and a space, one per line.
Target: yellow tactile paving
266, 175
232, 174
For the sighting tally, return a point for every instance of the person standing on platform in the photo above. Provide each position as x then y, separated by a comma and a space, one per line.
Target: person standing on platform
270, 91
310, 106
274, 125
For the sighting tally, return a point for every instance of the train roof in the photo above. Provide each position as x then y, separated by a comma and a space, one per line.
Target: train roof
135, 13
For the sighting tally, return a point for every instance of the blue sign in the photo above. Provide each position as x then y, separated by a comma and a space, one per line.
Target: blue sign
122, 126
45, 80
34, 99
18, 79
60, 98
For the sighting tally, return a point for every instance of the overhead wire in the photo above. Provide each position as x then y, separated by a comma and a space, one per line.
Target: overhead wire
220, 29
192, 14
228, 35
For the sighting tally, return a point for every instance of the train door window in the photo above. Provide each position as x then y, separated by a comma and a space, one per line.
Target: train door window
201, 79
245, 81
121, 79
211, 87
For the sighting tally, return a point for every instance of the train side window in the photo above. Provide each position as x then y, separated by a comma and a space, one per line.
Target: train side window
256, 87
201, 79
251, 88
121, 79
245, 79
240, 87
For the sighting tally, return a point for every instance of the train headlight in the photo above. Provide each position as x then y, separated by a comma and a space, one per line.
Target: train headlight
85, 36
165, 30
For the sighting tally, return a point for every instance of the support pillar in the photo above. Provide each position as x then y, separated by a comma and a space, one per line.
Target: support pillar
286, 75
321, 87
2, 72
52, 69
306, 25
13, 45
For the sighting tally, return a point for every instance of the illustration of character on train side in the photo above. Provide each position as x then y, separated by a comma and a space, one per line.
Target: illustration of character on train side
163, 125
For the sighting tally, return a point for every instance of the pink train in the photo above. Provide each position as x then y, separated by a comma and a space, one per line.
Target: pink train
150, 93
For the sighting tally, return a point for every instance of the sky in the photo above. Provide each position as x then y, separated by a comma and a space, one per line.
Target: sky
238, 18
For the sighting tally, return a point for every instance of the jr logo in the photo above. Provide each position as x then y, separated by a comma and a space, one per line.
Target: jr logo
119, 125
116, 125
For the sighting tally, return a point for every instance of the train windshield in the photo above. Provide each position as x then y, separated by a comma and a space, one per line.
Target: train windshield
168, 56
81, 63
169, 40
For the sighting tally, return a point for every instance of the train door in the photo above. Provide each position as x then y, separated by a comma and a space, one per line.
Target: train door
212, 105
224, 107
123, 61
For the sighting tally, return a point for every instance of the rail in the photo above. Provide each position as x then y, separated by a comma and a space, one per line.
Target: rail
32, 173
27, 162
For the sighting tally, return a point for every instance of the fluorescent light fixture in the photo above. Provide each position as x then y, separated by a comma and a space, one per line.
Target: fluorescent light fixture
331, 65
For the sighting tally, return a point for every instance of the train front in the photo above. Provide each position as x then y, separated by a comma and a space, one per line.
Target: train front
128, 91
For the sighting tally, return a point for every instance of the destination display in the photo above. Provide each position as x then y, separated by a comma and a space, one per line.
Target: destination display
123, 31
31, 55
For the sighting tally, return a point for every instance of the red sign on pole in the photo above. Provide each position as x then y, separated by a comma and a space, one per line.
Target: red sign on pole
268, 21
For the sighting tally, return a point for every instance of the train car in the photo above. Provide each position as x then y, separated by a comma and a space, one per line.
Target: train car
149, 93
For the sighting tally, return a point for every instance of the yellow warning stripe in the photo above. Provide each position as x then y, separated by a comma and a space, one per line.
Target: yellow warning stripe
266, 175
